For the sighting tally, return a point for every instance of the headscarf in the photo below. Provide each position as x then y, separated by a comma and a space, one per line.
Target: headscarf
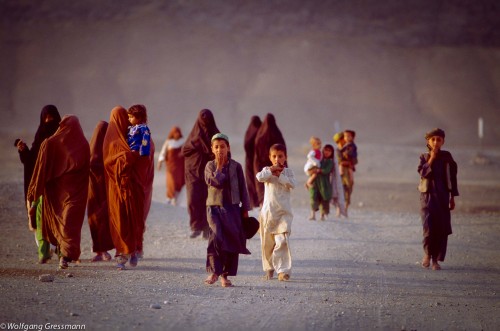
97, 202
173, 131
249, 144
61, 175
268, 135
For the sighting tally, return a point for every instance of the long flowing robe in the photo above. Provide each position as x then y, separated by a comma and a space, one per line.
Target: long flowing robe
249, 144
267, 135
45, 129
171, 153
435, 211
61, 176
197, 152
129, 179
97, 202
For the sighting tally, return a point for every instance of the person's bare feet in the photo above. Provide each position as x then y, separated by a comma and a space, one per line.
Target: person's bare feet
268, 275
224, 282
435, 265
211, 279
282, 276
426, 261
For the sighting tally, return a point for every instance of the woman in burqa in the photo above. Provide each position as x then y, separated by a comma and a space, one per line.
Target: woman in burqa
267, 135
197, 152
129, 180
49, 123
97, 202
171, 154
61, 176
249, 144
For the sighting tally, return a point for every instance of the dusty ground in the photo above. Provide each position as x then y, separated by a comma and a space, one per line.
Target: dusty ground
349, 274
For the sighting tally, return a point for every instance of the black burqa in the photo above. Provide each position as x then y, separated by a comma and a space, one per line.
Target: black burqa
197, 152
249, 144
45, 129
267, 135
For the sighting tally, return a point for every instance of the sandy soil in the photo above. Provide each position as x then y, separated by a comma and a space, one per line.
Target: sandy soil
348, 274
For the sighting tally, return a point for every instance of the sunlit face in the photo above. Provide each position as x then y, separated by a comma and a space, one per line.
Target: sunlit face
133, 120
220, 148
277, 157
327, 153
435, 142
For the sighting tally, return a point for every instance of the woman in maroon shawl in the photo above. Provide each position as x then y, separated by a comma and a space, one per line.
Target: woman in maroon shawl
129, 179
249, 144
97, 203
267, 135
197, 152
61, 176
171, 154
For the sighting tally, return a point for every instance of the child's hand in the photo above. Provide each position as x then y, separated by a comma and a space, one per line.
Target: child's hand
277, 169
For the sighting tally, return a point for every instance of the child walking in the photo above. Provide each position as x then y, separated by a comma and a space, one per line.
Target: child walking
438, 173
348, 155
276, 215
313, 161
139, 135
226, 191
321, 192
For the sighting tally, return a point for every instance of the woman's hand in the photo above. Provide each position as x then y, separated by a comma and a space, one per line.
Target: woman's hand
452, 203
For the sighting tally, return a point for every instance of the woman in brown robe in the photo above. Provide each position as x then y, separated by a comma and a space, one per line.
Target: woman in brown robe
61, 176
197, 152
249, 144
267, 135
129, 179
97, 202
171, 154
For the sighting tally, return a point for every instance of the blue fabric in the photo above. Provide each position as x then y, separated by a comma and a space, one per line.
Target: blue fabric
139, 139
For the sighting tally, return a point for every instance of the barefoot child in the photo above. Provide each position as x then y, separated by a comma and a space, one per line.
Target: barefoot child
226, 191
313, 161
276, 215
320, 193
438, 172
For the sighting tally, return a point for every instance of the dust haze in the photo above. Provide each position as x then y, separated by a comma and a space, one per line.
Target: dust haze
386, 69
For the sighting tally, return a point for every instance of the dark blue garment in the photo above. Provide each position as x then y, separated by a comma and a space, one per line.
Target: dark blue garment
139, 139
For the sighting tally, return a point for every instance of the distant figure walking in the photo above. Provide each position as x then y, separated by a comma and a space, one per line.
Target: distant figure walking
320, 192
438, 189
61, 176
197, 152
267, 135
97, 202
249, 144
171, 154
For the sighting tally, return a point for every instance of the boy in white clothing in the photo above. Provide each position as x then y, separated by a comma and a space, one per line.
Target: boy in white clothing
276, 215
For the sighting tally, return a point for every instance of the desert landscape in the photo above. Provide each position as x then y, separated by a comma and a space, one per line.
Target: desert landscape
391, 71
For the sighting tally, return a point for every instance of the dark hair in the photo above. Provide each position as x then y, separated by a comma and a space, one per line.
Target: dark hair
278, 148
330, 147
139, 112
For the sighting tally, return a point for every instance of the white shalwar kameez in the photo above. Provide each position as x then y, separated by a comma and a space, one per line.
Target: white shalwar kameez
276, 220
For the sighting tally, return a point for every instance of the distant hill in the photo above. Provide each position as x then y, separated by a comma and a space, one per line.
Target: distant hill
388, 69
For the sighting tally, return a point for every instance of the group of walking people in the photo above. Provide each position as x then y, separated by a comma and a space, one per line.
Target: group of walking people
112, 178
